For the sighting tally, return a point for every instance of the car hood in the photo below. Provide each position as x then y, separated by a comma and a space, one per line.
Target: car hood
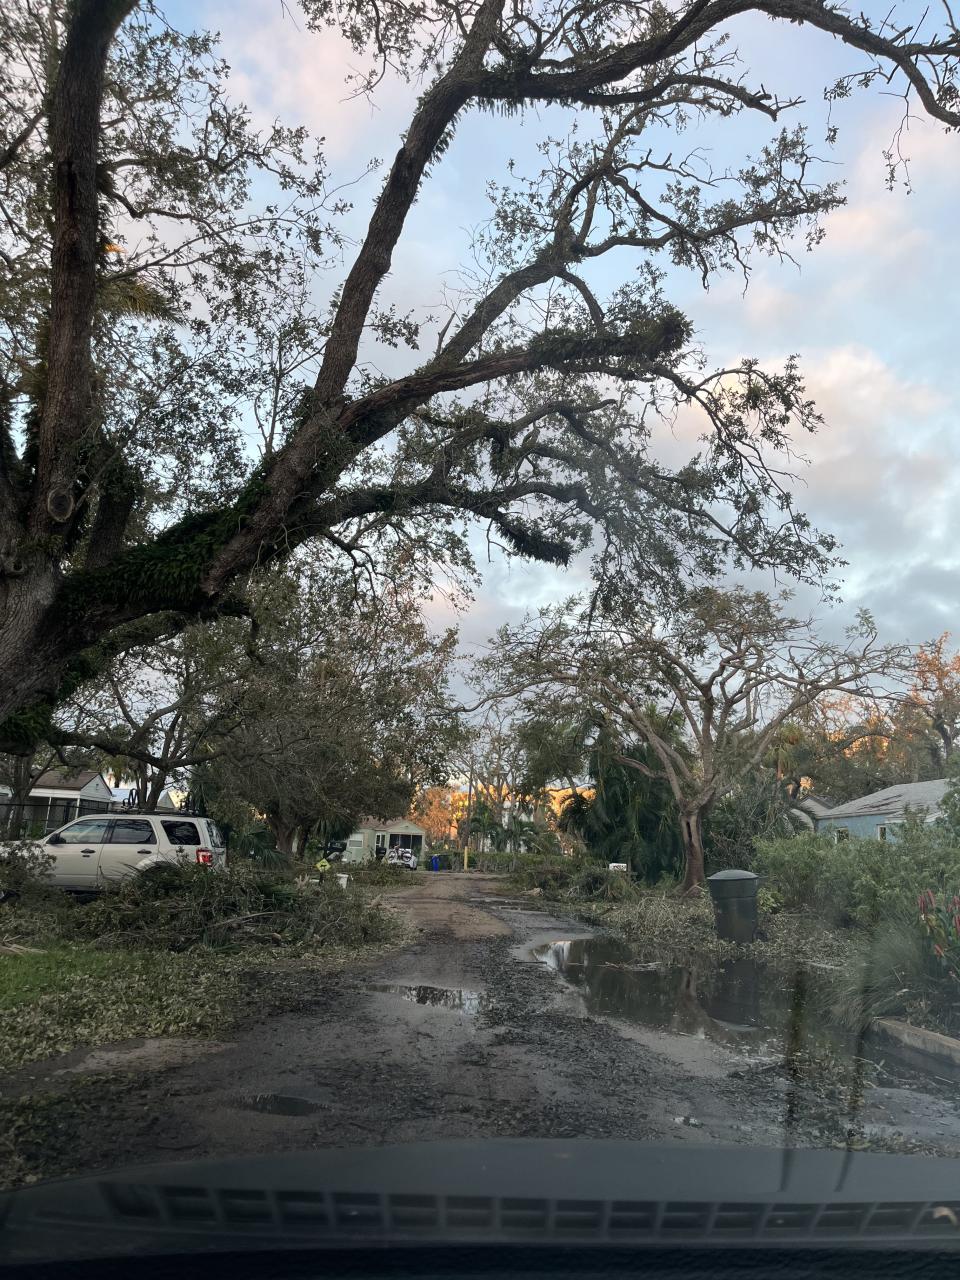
488, 1192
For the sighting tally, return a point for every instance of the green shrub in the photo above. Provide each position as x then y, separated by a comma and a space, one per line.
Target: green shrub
859, 882
769, 902
499, 861
23, 871
574, 880
551, 878
804, 870
381, 873
941, 924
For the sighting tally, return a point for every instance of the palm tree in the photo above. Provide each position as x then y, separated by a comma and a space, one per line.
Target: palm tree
629, 817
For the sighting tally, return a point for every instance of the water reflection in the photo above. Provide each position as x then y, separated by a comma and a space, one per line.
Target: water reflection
469, 1002
731, 1003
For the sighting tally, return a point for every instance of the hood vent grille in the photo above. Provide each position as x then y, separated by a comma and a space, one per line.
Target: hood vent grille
366, 1214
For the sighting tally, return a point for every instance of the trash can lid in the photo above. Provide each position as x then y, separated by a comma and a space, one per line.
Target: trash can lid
733, 874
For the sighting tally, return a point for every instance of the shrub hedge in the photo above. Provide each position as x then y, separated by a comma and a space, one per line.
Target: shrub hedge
860, 882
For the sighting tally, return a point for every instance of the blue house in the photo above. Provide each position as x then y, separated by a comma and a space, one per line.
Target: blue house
878, 815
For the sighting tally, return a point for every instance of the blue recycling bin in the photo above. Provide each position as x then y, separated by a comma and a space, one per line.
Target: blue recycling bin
434, 862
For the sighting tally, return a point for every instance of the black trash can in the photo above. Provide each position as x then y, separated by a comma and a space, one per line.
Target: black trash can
734, 895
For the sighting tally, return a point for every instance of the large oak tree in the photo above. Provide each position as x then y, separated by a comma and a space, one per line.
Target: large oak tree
131, 501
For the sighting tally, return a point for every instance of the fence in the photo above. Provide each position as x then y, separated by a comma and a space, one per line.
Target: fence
39, 815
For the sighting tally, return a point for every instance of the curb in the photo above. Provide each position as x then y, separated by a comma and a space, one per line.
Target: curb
932, 1044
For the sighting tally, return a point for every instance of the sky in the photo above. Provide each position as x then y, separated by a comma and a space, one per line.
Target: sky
872, 312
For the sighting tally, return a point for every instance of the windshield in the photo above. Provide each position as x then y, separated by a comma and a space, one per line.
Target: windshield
477, 596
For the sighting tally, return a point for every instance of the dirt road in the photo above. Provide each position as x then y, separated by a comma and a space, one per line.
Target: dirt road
464, 1033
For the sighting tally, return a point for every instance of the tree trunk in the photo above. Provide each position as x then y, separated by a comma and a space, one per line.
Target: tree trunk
154, 790
21, 784
285, 834
691, 832
32, 657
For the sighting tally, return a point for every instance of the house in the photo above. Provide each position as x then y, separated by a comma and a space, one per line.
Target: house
376, 834
807, 809
58, 796
878, 815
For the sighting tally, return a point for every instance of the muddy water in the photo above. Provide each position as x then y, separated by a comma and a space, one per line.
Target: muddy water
763, 1015
469, 1002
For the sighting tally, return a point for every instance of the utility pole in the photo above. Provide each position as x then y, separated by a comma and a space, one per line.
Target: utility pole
466, 842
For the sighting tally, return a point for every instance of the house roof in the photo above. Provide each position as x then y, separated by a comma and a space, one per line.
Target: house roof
384, 824
57, 780
813, 804
893, 802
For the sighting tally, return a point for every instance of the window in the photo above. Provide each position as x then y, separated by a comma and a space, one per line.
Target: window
841, 833
887, 830
132, 831
179, 832
355, 842
88, 831
216, 835
381, 839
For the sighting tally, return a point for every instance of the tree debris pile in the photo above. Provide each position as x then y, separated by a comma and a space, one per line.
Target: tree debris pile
175, 908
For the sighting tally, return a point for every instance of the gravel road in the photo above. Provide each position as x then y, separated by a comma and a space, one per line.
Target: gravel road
464, 1033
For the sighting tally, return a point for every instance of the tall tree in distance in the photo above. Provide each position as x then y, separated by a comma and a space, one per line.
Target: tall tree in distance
346, 710
850, 746
732, 665
934, 699
161, 257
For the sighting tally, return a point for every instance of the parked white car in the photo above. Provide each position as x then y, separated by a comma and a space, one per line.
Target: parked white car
402, 858
91, 853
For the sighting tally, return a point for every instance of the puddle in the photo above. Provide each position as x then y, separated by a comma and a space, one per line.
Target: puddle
469, 1002
764, 1016
279, 1104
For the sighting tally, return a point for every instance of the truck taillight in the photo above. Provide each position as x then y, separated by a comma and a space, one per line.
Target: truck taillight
204, 857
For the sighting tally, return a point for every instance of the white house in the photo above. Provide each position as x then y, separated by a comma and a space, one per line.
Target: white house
57, 796
375, 834
171, 798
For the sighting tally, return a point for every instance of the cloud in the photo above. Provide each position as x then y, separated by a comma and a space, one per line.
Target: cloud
282, 69
883, 478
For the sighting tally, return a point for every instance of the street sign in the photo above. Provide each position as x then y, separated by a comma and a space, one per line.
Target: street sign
618, 866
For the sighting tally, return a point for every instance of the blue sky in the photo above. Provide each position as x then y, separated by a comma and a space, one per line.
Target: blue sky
873, 311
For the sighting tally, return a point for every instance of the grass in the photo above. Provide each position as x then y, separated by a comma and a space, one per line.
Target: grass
68, 996
187, 955
26, 975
